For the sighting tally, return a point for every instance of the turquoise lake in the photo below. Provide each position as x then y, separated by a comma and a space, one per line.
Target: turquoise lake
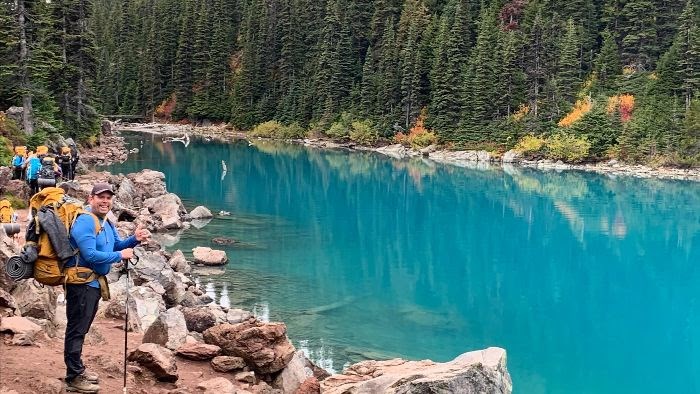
589, 282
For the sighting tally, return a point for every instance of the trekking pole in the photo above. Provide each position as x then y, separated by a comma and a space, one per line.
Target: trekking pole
126, 317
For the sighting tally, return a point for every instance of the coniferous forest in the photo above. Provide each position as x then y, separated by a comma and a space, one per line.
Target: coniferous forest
583, 79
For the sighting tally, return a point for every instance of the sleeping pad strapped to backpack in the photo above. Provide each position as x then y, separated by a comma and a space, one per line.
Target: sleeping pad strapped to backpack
49, 232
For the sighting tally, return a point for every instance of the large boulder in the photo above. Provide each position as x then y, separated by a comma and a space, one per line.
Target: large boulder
209, 256
482, 371
168, 210
179, 263
17, 188
294, 374
153, 268
397, 151
169, 330
147, 184
34, 300
199, 319
156, 359
264, 346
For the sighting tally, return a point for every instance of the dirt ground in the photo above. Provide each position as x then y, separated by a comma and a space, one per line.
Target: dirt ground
40, 368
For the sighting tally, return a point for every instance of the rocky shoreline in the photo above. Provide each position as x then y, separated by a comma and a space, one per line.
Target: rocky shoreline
470, 159
181, 325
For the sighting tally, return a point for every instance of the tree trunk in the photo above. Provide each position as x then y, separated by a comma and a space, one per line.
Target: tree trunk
25, 84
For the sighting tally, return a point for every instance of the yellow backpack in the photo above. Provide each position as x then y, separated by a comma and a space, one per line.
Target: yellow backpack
6, 211
53, 245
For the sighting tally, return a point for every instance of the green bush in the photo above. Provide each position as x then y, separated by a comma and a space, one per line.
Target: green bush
275, 129
421, 140
530, 145
363, 133
342, 127
269, 129
6, 152
567, 147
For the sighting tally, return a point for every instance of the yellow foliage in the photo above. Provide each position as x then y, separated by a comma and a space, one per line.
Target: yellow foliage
613, 102
522, 112
628, 70
530, 144
581, 108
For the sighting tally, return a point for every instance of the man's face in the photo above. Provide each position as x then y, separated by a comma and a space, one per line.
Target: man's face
101, 203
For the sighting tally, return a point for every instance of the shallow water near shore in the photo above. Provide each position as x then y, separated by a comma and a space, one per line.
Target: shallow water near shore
589, 282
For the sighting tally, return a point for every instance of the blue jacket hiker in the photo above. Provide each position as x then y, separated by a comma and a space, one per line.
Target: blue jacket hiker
33, 165
17, 164
98, 251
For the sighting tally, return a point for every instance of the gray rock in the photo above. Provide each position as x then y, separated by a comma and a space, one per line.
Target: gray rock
482, 371
396, 151
156, 359
234, 316
18, 325
190, 299
35, 300
293, 375
199, 319
8, 301
169, 330
227, 363
179, 263
245, 377
512, 156
201, 212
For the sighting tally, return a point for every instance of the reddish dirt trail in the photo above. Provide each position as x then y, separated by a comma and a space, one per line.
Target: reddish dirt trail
40, 369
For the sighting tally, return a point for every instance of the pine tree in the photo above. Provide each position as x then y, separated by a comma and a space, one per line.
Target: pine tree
183, 63
638, 32
569, 67
688, 46
607, 64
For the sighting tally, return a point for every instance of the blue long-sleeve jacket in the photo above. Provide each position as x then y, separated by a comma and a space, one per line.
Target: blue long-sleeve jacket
97, 252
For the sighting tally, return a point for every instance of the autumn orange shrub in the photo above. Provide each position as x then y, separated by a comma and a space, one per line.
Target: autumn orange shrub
166, 108
581, 108
626, 107
419, 136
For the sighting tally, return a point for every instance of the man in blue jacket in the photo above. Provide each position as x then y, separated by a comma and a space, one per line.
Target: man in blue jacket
98, 251
33, 165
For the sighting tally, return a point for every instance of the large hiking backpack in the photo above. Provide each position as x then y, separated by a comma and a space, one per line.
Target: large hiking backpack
6, 211
47, 168
53, 217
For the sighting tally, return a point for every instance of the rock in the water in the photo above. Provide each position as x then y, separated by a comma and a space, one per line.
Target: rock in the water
227, 363
198, 351
217, 386
169, 330
235, 316
482, 371
209, 256
201, 212
264, 346
35, 300
199, 319
223, 241
156, 359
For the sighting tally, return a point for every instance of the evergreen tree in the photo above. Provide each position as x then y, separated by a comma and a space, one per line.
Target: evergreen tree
688, 45
638, 32
569, 67
607, 64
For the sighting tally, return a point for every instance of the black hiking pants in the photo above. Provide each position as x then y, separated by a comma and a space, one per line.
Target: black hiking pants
81, 307
33, 187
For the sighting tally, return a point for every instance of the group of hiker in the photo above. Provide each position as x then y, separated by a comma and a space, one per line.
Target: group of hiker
41, 169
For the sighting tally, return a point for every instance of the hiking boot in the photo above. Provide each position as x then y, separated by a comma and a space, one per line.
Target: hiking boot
81, 385
90, 376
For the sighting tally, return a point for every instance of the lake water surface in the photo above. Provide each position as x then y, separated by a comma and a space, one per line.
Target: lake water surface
590, 283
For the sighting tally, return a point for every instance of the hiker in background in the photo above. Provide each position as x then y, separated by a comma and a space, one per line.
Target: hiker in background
48, 173
98, 250
33, 166
65, 161
75, 157
18, 162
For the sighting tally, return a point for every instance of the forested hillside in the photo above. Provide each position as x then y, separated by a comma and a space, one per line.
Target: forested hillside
596, 78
